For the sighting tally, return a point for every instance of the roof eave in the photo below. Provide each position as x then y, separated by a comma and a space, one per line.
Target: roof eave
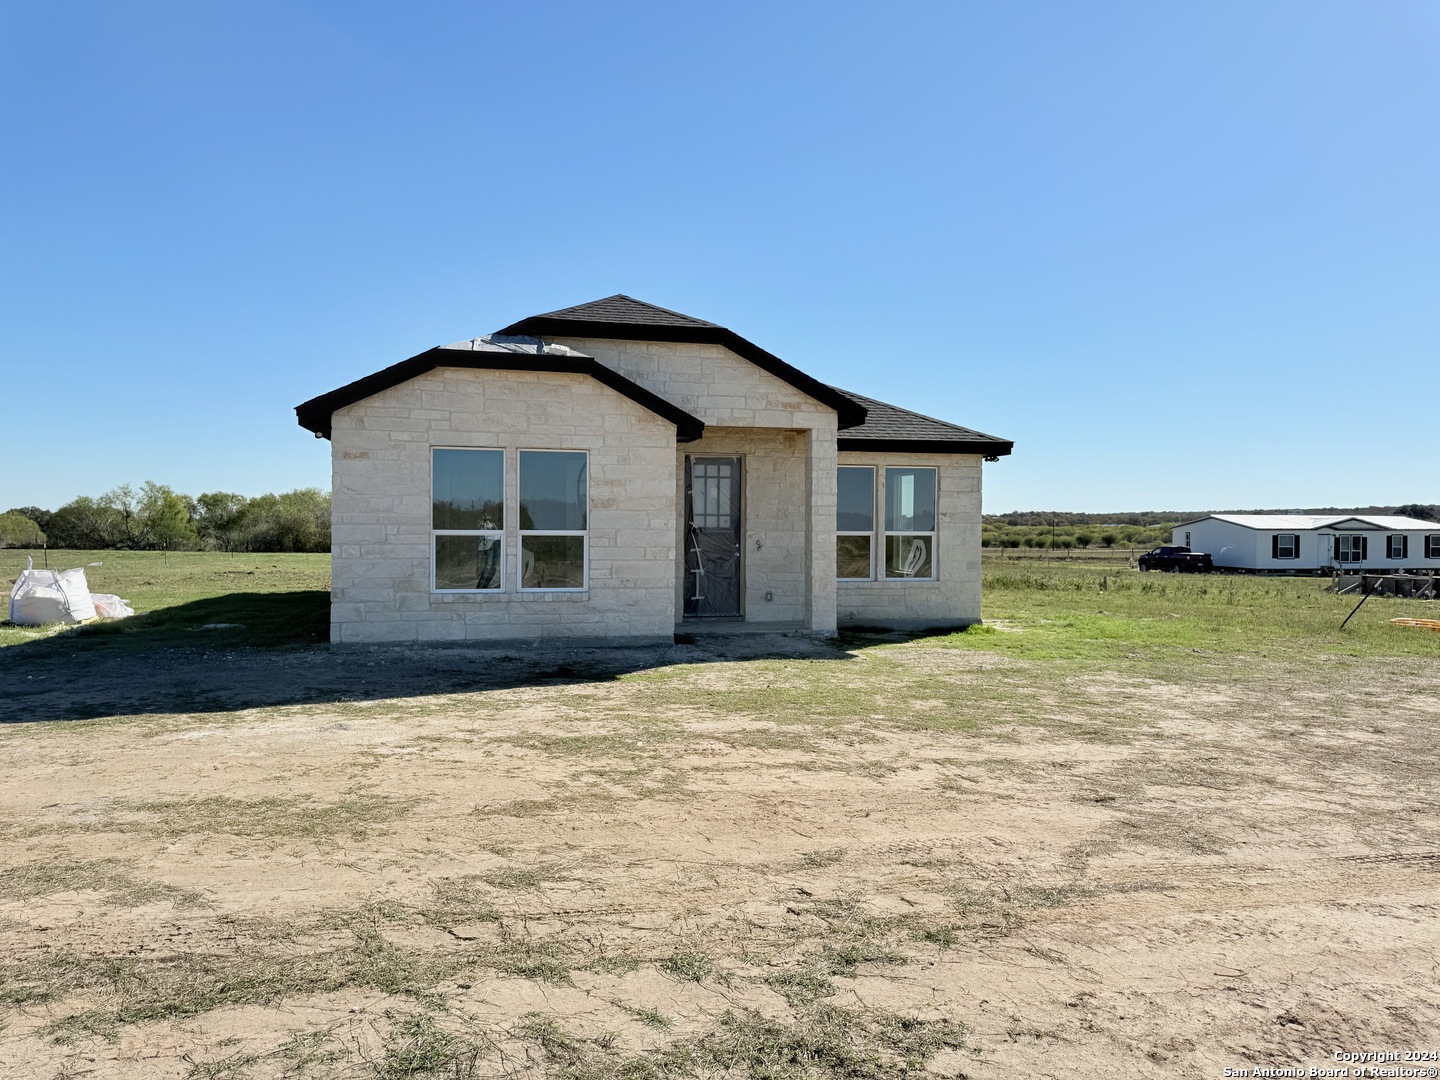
982, 447
315, 414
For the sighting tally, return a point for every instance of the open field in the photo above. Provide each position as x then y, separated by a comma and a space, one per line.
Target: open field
249, 599
1139, 825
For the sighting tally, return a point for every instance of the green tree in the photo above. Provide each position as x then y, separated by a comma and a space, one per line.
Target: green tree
18, 531
1108, 539
34, 513
295, 521
124, 502
86, 523
1084, 540
220, 518
1423, 511
165, 517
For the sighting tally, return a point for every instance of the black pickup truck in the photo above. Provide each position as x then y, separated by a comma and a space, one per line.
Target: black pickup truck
1177, 560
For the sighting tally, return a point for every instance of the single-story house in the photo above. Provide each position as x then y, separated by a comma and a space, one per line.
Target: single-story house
1307, 543
608, 472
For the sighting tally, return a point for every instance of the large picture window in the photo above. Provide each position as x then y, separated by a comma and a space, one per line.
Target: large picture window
467, 519
554, 519
855, 523
909, 547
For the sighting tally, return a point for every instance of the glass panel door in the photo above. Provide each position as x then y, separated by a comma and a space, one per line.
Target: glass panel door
712, 537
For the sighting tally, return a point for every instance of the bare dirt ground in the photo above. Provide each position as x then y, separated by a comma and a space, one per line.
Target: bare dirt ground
764, 857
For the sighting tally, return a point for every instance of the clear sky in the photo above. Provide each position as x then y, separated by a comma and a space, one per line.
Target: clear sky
1185, 255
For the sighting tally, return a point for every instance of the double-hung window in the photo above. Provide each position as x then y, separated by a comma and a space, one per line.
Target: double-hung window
467, 520
1397, 546
909, 545
1432, 546
1350, 548
855, 523
554, 519
1285, 546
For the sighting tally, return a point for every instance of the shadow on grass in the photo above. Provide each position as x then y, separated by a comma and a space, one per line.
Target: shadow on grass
258, 620
261, 650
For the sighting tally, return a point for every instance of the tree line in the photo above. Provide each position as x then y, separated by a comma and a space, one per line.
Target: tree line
1065, 536
157, 517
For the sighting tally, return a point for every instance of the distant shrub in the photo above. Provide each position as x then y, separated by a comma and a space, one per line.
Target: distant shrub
18, 531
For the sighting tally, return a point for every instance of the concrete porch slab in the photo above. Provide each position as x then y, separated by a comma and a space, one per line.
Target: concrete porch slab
736, 628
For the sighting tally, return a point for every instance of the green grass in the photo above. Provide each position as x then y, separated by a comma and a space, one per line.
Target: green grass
276, 817
247, 599
1078, 608
1054, 611
46, 877
689, 965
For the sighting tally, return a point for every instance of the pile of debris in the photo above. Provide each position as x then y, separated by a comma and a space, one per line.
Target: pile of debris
41, 597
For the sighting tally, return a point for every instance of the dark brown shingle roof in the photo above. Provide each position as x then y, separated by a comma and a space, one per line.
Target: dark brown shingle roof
622, 309
865, 423
889, 428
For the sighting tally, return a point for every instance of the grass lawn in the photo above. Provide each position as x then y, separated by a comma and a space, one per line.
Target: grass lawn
1137, 825
259, 600
1067, 609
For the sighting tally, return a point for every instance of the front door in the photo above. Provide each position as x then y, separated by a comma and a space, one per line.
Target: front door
712, 537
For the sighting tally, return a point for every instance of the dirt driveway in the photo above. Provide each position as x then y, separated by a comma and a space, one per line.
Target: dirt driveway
767, 858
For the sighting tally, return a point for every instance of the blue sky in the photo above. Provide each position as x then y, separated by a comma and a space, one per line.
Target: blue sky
1184, 255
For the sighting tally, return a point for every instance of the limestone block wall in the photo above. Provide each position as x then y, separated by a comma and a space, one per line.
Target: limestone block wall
381, 552
790, 466
774, 518
709, 382
953, 599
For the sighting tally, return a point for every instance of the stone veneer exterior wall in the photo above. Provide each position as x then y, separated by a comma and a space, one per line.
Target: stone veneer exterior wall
954, 599
787, 441
381, 483
381, 457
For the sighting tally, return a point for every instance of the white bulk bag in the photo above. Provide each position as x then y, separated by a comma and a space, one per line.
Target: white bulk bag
50, 596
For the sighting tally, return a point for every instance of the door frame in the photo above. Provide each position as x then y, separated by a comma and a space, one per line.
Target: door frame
686, 517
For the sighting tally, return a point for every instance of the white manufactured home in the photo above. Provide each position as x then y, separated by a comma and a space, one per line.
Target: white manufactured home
1305, 543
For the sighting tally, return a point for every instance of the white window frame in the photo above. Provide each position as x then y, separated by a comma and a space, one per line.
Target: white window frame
521, 534
1432, 545
1280, 545
1395, 546
498, 534
885, 533
1352, 543
874, 520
